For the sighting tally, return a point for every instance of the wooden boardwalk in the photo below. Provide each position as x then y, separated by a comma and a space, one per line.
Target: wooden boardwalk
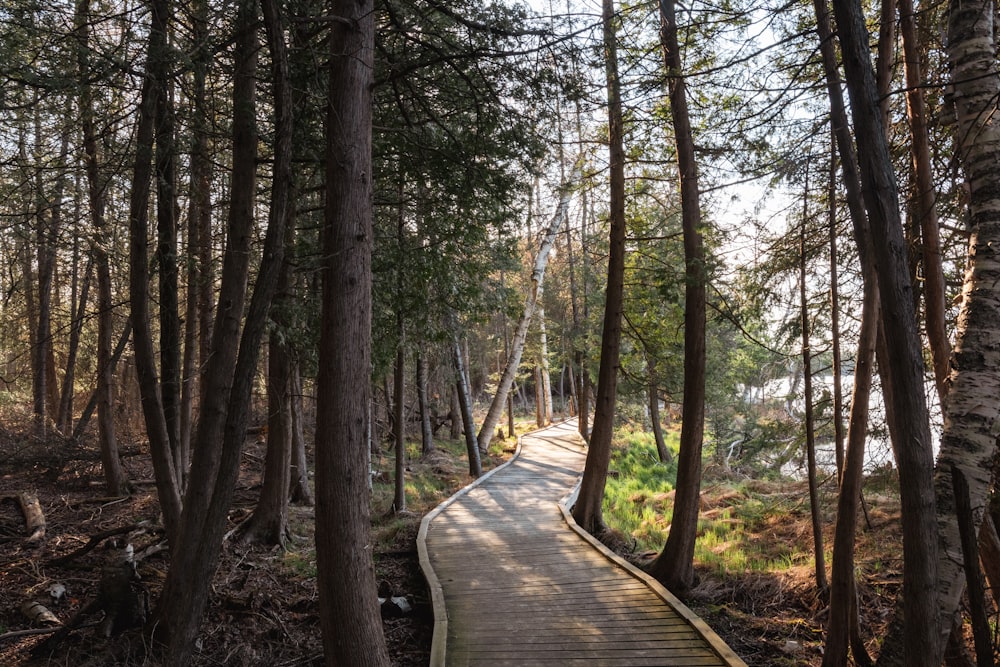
515, 581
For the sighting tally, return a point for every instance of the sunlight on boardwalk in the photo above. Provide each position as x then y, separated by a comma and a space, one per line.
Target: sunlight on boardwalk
515, 585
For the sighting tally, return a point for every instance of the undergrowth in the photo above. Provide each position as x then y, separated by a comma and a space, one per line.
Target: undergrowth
742, 527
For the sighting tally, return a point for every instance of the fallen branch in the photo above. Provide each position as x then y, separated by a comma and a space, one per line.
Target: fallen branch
14, 634
94, 541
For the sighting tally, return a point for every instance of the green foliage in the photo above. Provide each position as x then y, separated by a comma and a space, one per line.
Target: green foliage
456, 140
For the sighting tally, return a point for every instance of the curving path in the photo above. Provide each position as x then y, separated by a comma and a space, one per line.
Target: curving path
515, 581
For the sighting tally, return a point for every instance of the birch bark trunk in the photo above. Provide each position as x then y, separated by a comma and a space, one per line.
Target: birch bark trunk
973, 406
521, 332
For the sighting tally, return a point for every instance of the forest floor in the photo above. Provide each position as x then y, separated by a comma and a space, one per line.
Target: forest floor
263, 603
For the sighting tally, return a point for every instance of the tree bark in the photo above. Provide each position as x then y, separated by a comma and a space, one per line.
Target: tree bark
843, 631
911, 441
654, 417
968, 441
426, 428
269, 522
588, 512
232, 365
349, 617
543, 364
399, 420
78, 305
166, 260
465, 406
838, 366
674, 567
199, 229
536, 372
807, 392
924, 197
300, 493
455, 416
167, 485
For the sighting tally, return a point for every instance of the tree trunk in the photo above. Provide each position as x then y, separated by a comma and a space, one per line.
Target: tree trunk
465, 405
843, 629
399, 421
349, 616
968, 442
115, 480
838, 366
199, 230
843, 596
166, 261
814, 509
78, 308
587, 512
911, 441
47, 228
583, 396
426, 428
301, 494
885, 60
521, 333
924, 200
167, 485
654, 417
455, 415
674, 567
543, 363
536, 372
269, 522
232, 364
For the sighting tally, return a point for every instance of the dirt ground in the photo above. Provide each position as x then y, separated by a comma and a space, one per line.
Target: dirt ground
263, 605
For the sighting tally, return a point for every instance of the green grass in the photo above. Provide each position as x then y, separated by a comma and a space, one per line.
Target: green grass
741, 528
300, 563
636, 498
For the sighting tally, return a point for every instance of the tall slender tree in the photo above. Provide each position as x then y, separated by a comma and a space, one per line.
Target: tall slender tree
352, 629
114, 476
236, 339
908, 414
675, 564
547, 240
167, 480
588, 512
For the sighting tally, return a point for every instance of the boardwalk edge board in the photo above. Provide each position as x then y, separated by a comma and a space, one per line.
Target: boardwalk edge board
714, 641
439, 640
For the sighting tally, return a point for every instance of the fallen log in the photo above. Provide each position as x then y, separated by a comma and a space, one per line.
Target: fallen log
34, 517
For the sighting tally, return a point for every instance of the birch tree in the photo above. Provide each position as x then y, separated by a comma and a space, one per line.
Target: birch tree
548, 239
968, 442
